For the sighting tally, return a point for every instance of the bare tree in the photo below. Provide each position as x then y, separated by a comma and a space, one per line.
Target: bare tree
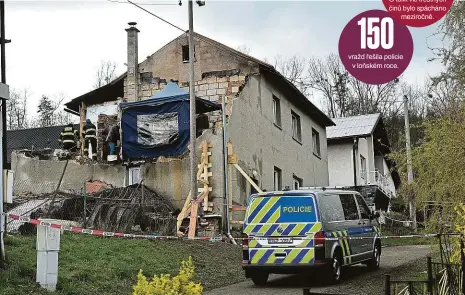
50, 112
17, 109
244, 49
105, 74
293, 69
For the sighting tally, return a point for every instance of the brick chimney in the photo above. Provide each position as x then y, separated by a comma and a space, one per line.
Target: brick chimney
132, 86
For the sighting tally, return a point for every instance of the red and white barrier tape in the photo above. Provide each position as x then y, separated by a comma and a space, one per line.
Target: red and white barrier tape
102, 233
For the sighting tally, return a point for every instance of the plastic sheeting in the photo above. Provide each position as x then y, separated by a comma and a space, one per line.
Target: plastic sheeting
157, 129
159, 126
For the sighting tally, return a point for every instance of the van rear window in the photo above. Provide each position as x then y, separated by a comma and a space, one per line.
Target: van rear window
282, 209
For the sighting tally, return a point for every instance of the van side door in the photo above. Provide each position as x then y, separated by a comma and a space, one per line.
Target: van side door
368, 231
352, 222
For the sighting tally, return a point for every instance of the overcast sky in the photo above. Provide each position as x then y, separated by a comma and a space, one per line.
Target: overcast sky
57, 46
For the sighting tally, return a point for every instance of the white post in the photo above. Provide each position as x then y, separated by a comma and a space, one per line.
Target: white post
48, 245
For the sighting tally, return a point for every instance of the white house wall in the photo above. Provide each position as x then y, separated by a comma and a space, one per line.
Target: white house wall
340, 165
108, 108
388, 175
260, 145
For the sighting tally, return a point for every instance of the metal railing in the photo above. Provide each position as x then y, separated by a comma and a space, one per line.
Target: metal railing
376, 177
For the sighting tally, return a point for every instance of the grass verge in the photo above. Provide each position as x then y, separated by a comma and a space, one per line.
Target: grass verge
98, 265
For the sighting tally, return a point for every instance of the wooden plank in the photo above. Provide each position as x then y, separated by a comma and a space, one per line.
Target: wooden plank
248, 178
193, 220
209, 165
237, 221
209, 153
202, 189
232, 159
238, 208
182, 214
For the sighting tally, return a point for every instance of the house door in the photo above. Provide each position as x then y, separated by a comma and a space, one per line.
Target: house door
134, 175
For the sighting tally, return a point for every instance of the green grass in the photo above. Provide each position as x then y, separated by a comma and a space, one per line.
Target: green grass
97, 265
407, 241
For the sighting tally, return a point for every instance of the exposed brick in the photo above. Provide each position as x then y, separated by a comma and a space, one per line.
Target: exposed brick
235, 89
241, 77
201, 93
213, 86
222, 79
234, 78
223, 85
145, 87
211, 79
203, 87
221, 91
213, 98
147, 93
235, 83
211, 92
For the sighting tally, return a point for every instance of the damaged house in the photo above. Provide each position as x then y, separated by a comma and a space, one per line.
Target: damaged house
275, 136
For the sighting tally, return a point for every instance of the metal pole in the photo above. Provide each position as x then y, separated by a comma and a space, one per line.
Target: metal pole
3, 130
413, 215
225, 167
430, 275
193, 117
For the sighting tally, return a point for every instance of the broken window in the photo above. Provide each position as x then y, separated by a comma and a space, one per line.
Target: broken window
296, 129
185, 53
316, 142
277, 179
276, 111
157, 129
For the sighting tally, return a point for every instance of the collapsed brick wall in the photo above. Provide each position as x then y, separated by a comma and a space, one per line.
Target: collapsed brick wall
214, 86
104, 124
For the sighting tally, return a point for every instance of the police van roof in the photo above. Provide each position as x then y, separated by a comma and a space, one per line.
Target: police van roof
305, 191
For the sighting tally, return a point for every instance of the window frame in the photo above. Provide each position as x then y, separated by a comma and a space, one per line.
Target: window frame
356, 206
298, 180
277, 171
364, 204
299, 127
316, 140
363, 167
277, 112
182, 53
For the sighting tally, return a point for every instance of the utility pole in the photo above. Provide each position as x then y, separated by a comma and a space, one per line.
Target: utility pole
3, 41
193, 117
413, 215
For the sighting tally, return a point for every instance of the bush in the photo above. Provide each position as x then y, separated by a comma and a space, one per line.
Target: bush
165, 285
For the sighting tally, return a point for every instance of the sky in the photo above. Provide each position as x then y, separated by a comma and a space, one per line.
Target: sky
57, 47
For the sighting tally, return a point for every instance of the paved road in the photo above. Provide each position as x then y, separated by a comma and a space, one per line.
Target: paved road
357, 279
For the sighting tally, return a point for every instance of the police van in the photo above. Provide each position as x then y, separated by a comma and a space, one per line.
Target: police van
291, 232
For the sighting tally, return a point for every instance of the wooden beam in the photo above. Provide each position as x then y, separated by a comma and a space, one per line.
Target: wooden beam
182, 214
83, 111
248, 178
238, 208
193, 220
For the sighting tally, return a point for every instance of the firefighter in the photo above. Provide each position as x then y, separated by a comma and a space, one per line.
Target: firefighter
90, 137
67, 138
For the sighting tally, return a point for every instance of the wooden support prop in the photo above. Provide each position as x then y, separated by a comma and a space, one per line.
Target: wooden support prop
238, 208
193, 220
248, 178
182, 214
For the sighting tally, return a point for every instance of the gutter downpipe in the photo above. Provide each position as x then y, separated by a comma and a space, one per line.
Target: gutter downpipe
225, 168
354, 148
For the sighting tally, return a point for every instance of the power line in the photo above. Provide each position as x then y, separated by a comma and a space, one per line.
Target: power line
158, 4
153, 14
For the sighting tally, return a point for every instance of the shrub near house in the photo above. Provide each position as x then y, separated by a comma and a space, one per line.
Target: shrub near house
165, 285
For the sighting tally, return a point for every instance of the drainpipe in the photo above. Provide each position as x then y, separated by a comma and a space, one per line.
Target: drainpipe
354, 153
225, 168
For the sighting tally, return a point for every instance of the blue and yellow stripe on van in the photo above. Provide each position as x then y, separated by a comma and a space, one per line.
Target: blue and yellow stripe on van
294, 256
304, 230
344, 243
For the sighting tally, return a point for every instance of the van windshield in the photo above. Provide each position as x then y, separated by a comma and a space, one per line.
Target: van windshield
282, 209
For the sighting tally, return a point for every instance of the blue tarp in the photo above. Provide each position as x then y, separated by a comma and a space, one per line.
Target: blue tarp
159, 126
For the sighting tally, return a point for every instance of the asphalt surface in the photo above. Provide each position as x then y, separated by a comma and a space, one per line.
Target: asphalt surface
357, 279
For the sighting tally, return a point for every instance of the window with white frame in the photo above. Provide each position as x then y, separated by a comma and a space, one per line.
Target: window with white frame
316, 143
363, 167
296, 127
297, 182
276, 111
278, 182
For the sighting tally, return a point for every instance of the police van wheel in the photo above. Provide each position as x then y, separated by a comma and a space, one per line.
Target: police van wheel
374, 262
259, 279
334, 276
